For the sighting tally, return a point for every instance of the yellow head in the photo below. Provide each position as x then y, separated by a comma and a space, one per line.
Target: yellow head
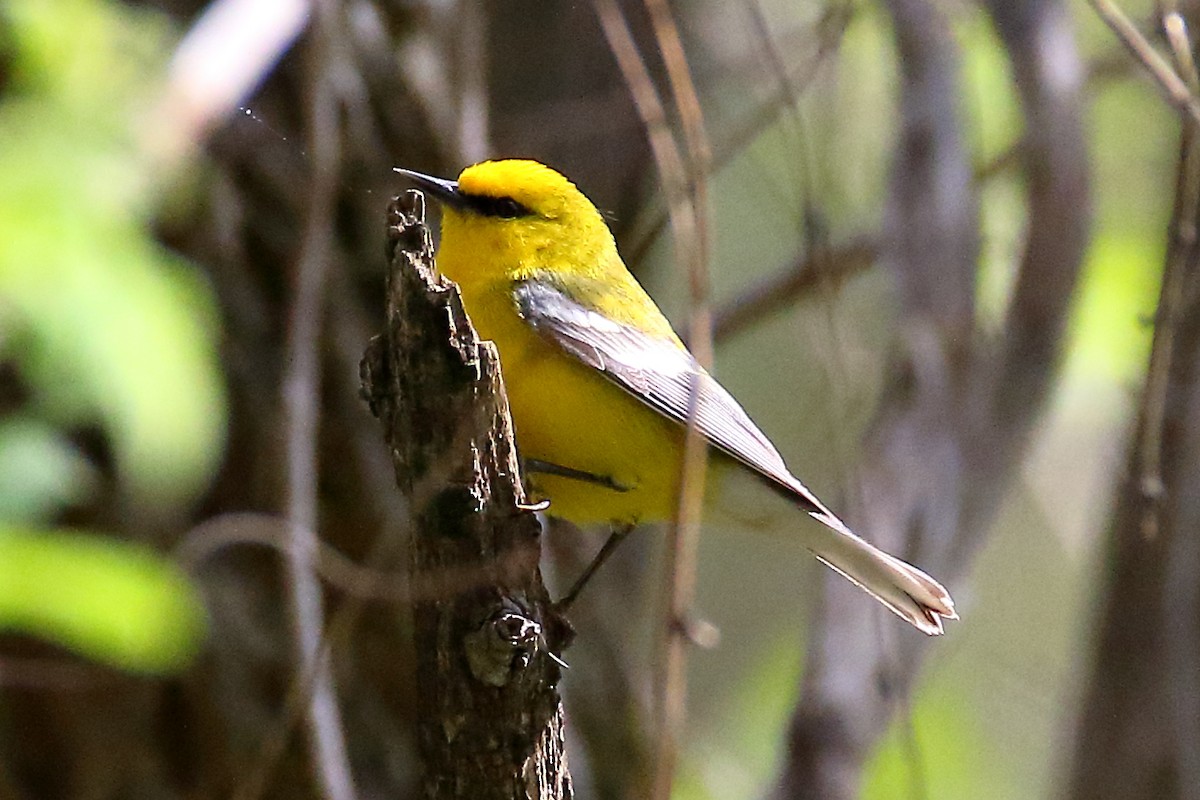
510, 218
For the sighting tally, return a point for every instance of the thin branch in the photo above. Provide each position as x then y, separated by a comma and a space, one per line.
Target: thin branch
646, 101
1141, 673
1183, 238
674, 177
1101, 69
1181, 251
1175, 27
1179, 585
360, 581
253, 784
1174, 89
1016, 380
789, 92
818, 267
830, 30
685, 190
208, 540
301, 401
796, 281
371, 583
685, 533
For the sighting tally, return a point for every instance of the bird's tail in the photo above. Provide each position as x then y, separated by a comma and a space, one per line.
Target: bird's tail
905, 590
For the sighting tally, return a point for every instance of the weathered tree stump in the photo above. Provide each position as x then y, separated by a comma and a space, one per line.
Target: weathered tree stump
490, 718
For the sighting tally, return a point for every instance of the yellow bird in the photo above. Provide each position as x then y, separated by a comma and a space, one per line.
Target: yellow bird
599, 384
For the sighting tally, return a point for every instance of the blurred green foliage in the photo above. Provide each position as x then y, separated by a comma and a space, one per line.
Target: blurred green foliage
936, 753
109, 331
113, 601
106, 330
40, 472
104, 325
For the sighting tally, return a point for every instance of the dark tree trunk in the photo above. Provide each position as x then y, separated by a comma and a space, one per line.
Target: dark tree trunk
490, 722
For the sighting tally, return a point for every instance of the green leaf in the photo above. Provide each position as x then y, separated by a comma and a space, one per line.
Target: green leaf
113, 601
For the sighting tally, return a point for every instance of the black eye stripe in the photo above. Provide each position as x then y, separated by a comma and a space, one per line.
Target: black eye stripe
490, 206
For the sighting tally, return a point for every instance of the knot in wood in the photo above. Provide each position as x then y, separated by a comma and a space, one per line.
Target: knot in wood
502, 647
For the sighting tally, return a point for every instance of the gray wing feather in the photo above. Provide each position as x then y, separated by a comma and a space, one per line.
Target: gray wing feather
659, 373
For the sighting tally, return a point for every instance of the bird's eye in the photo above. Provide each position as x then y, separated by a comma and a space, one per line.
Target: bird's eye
493, 206
508, 208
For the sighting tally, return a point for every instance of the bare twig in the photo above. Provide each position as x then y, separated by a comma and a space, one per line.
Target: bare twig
685, 189
685, 533
1143, 670
297, 702
1011, 389
206, 541
798, 79
1180, 254
361, 581
368, 583
1180, 585
301, 399
838, 263
1174, 89
824, 267
649, 107
788, 92
1175, 27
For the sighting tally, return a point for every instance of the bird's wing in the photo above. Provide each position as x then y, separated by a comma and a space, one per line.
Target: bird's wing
657, 371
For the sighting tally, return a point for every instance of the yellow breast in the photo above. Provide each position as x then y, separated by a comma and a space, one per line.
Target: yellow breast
566, 413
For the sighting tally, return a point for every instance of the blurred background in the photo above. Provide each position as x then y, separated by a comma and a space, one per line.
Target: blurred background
939, 233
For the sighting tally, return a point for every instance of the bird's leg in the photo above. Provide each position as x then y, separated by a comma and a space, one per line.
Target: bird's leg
619, 532
550, 468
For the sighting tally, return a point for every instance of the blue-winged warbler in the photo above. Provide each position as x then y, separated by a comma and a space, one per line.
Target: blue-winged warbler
598, 382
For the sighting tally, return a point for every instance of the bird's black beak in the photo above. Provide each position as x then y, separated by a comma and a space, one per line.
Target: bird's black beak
444, 190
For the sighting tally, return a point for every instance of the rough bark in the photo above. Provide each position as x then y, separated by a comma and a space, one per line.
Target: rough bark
490, 720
